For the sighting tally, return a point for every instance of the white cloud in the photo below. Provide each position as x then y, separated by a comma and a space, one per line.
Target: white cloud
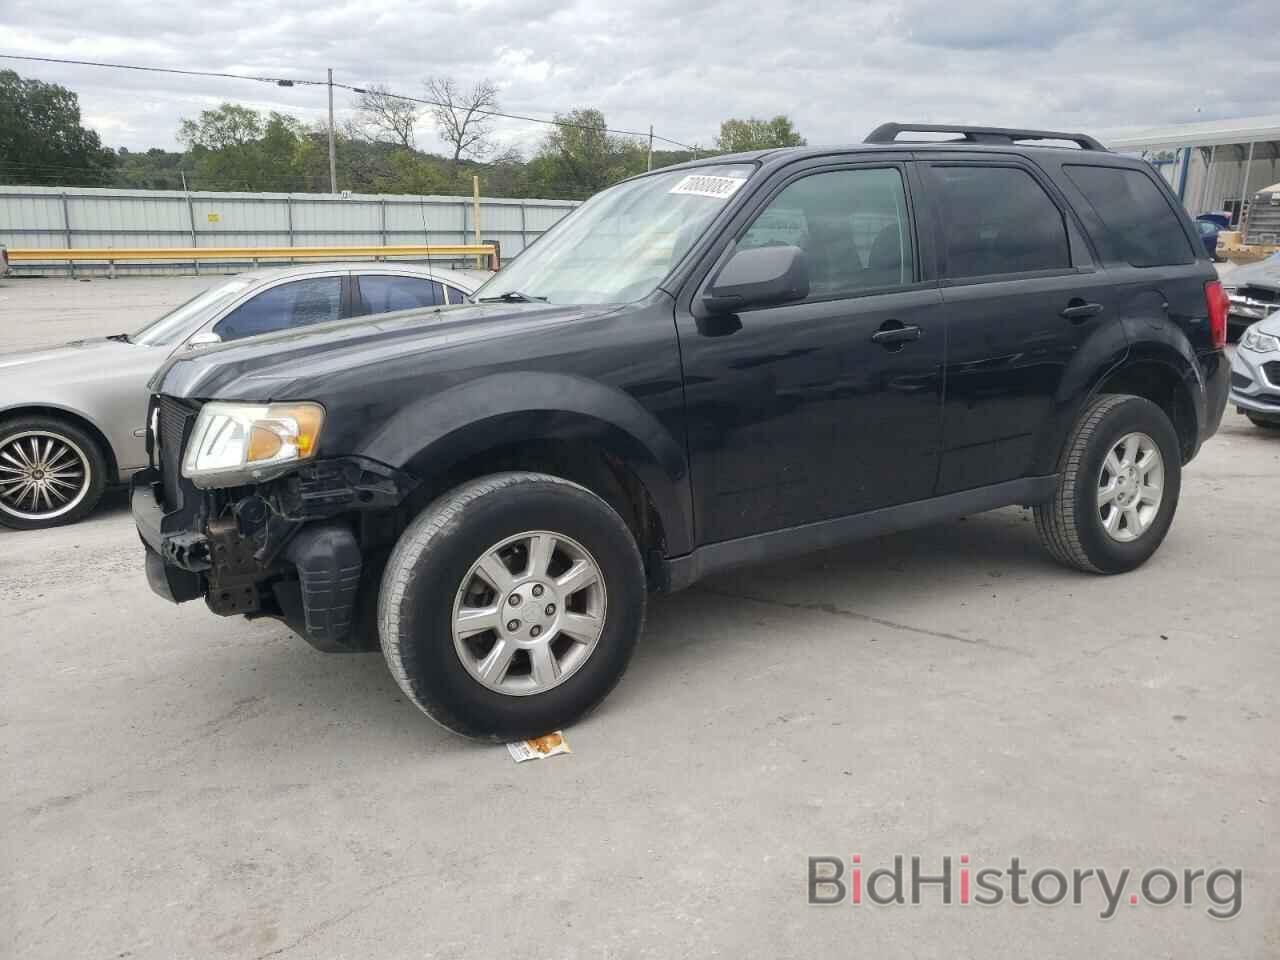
682, 65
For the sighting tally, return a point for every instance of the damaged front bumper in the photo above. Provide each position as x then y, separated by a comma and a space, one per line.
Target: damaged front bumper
286, 549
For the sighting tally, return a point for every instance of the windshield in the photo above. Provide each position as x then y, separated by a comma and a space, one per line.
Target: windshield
178, 322
620, 244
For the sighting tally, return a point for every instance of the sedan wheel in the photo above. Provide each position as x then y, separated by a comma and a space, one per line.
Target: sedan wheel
50, 473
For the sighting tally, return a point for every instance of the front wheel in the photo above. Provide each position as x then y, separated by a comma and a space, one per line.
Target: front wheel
511, 606
1120, 475
51, 473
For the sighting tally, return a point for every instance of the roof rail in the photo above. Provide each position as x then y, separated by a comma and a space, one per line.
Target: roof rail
888, 133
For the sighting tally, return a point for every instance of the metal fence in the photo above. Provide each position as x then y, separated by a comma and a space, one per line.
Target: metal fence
96, 217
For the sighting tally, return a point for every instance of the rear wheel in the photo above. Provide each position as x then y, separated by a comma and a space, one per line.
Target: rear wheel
51, 473
1120, 477
1262, 422
511, 606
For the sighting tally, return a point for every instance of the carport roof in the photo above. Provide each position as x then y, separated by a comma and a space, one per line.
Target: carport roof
1206, 134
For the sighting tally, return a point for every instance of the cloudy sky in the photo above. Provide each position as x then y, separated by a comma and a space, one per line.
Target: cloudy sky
837, 68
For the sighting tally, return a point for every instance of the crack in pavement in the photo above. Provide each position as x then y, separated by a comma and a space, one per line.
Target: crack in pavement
368, 896
833, 610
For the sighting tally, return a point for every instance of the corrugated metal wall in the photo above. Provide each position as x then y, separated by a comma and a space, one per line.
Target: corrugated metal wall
94, 217
1226, 175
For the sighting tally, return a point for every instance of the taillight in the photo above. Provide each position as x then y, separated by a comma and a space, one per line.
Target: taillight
1219, 305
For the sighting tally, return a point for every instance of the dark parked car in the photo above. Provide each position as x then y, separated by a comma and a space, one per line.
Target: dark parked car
1253, 291
1209, 236
713, 364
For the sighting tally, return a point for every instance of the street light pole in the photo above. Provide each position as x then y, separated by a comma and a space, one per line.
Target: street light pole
333, 163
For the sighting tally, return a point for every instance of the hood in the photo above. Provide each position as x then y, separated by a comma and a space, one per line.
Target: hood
79, 358
293, 364
1270, 325
1264, 273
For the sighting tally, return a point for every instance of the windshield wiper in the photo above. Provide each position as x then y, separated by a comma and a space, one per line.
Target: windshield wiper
120, 337
513, 296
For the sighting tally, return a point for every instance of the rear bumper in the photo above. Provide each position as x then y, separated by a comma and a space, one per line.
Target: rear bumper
1217, 384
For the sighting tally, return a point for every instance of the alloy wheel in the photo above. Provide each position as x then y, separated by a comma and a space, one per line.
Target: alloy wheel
43, 475
1130, 487
529, 613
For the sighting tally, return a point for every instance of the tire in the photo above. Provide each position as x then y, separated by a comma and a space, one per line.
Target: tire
69, 492
1071, 525
1265, 424
433, 576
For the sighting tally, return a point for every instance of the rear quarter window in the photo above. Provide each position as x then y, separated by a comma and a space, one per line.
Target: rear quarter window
1140, 227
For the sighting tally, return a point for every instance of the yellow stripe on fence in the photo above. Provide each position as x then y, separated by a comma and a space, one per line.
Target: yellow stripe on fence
117, 254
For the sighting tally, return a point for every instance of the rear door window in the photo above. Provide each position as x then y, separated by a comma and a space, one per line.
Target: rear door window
1141, 228
382, 293
997, 220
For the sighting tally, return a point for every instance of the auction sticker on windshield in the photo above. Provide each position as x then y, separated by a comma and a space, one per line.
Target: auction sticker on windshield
702, 185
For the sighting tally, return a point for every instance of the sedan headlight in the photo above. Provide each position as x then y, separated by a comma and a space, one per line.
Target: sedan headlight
237, 443
1259, 342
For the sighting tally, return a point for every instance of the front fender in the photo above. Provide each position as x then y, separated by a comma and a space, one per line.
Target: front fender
432, 434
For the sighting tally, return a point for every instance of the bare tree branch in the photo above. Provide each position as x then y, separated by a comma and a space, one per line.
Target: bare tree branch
457, 115
386, 117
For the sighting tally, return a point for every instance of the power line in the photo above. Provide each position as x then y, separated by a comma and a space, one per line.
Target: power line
290, 82
278, 81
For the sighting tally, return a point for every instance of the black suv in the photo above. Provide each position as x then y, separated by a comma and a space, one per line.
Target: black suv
713, 364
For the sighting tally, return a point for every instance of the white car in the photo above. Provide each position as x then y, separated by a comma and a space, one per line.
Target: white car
1255, 373
72, 418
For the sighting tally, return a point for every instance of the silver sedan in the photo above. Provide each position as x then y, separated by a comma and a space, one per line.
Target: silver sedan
72, 418
1255, 373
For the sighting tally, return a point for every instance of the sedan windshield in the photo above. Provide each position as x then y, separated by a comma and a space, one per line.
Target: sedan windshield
181, 322
620, 244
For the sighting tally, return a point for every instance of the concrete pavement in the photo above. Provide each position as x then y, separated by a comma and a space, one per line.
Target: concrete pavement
179, 785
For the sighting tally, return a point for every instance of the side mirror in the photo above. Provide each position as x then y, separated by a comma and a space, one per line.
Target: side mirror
203, 339
759, 277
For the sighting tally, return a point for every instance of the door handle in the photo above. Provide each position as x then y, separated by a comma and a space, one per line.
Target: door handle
895, 335
1077, 310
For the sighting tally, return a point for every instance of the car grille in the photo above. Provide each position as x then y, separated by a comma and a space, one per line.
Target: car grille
1260, 294
1272, 370
173, 427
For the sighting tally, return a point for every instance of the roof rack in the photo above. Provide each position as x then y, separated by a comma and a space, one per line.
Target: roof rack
888, 133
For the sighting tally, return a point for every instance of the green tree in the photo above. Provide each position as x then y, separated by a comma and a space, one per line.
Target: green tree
42, 139
234, 147
581, 156
737, 136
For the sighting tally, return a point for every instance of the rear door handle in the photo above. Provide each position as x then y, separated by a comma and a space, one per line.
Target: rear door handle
1078, 309
887, 336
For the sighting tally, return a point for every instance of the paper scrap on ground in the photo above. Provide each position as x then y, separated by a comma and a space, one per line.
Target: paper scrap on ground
539, 748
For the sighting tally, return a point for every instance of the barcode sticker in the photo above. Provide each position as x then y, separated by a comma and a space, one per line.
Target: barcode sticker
702, 185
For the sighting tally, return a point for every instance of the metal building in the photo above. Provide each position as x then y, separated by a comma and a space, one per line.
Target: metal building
1219, 165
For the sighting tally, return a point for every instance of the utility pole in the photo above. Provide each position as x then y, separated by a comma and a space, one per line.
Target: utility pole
475, 218
650, 167
333, 162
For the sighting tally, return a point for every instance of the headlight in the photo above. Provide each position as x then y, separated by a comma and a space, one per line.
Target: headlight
235, 443
1259, 342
